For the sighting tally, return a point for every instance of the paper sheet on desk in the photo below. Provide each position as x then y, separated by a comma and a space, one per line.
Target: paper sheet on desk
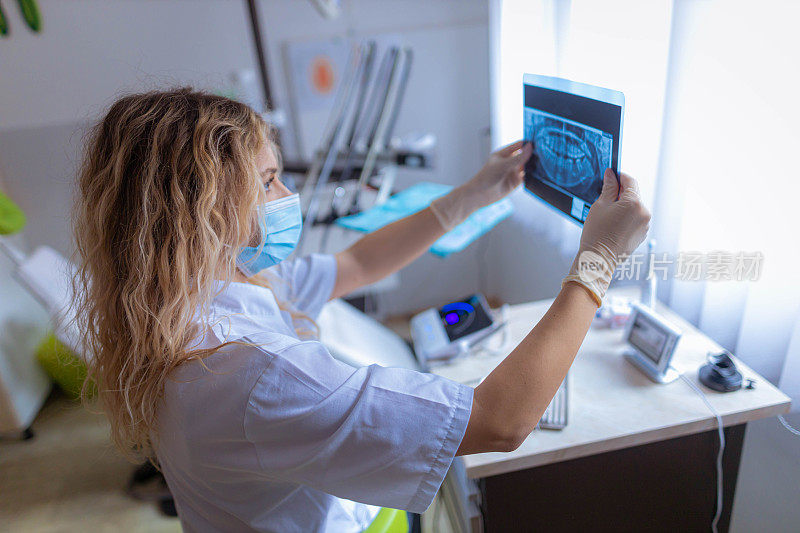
417, 198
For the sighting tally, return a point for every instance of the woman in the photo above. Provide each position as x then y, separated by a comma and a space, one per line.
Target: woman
204, 345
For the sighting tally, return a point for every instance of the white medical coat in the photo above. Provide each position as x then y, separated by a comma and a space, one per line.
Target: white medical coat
280, 436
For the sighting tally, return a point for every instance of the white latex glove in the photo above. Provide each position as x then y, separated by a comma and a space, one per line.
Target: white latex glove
499, 176
613, 228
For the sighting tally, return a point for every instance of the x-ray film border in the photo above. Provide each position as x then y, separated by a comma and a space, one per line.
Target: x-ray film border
601, 94
573, 87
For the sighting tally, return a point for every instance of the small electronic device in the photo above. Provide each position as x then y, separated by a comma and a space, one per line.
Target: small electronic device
576, 133
720, 373
652, 343
453, 328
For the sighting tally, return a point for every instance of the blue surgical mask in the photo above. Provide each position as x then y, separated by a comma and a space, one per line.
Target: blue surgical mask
281, 223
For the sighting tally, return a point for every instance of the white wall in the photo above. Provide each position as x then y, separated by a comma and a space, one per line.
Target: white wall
92, 50
39, 166
88, 52
448, 95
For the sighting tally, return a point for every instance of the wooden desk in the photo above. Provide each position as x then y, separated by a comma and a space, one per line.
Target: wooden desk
635, 454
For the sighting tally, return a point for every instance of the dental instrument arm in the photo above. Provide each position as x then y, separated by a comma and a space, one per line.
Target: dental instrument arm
394, 246
508, 404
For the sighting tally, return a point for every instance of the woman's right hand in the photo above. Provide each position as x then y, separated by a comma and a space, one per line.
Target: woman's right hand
508, 404
617, 220
616, 225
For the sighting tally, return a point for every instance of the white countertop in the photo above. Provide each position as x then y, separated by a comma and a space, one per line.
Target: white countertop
612, 404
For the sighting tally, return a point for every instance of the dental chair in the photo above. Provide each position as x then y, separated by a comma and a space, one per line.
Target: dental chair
359, 340
47, 276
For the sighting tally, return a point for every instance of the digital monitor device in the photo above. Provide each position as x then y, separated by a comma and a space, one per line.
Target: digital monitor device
444, 332
576, 133
465, 317
652, 342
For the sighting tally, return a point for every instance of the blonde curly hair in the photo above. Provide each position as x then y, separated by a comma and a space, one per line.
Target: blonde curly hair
167, 191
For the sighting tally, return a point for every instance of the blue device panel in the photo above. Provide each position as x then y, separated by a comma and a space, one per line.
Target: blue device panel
464, 317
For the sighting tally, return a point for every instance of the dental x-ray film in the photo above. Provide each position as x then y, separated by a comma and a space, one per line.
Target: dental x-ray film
575, 130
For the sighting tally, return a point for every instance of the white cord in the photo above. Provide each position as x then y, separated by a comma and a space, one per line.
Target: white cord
721, 434
785, 424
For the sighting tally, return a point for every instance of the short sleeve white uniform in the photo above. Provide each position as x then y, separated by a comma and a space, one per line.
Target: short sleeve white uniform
283, 437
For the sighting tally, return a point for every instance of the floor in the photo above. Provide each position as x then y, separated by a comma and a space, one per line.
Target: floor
69, 478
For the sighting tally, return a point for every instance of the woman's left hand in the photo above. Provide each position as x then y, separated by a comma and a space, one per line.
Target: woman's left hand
502, 173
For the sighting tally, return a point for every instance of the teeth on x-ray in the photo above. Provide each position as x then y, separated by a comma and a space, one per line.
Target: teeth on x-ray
567, 159
570, 155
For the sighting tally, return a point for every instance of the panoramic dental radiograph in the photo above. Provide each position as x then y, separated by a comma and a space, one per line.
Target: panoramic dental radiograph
567, 154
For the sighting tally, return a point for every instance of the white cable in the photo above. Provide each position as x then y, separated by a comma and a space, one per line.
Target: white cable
785, 424
721, 434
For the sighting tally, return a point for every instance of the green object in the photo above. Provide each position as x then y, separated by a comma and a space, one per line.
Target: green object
63, 367
12, 219
389, 521
30, 12
3, 22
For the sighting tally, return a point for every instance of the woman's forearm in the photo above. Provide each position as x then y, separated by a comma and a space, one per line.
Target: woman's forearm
508, 404
386, 250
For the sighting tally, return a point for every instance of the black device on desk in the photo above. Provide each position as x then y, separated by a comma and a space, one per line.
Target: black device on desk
576, 133
720, 373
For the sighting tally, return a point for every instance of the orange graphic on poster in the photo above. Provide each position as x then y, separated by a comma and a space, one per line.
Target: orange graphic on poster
322, 76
